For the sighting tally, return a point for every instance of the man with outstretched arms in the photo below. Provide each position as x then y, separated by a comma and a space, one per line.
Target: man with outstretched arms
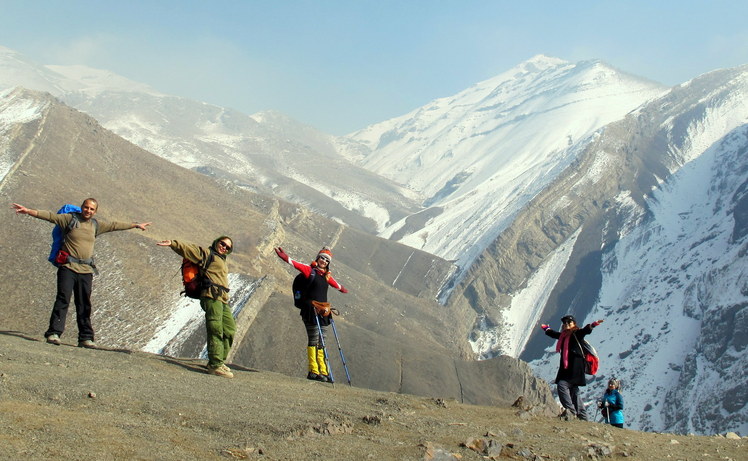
76, 265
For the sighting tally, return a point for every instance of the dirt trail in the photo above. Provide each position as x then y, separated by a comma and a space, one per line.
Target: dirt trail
65, 402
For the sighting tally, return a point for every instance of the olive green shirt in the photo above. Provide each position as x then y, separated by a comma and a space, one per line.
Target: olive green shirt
79, 242
217, 272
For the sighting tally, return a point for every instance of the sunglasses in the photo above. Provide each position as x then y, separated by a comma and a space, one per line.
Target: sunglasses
324, 258
567, 322
225, 245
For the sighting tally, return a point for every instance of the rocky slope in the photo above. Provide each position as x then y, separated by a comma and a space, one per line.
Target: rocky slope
396, 338
647, 231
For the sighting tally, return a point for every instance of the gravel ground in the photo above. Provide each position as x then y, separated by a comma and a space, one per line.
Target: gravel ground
65, 402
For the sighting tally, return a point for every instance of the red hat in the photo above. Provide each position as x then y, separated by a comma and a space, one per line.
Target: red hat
326, 252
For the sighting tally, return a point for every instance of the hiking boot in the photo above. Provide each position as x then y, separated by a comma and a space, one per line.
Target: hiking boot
53, 339
312, 376
221, 370
567, 415
87, 343
326, 378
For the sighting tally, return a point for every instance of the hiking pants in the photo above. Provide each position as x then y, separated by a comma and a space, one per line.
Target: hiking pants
313, 334
220, 325
70, 283
570, 399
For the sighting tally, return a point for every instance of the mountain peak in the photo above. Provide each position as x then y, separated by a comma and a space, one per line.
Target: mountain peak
98, 80
542, 61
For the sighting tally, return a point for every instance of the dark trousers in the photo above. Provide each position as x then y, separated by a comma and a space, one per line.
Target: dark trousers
71, 283
570, 399
313, 333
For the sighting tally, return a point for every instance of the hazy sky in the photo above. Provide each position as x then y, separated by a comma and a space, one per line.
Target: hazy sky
342, 65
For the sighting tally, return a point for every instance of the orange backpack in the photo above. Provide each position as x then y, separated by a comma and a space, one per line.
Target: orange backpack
193, 277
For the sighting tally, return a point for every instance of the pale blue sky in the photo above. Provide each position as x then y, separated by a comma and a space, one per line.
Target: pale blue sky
342, 65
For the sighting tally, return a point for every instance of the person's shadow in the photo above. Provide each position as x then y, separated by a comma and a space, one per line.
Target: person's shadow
194, 365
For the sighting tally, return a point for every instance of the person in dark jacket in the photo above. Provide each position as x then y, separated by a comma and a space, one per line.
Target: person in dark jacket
76, 266
570, 374
321, 279
612, 403
214, 298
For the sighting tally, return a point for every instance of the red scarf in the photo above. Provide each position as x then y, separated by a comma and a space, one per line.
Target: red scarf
562, 346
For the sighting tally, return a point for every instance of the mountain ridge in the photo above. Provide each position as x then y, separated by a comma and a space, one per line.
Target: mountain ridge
503, 139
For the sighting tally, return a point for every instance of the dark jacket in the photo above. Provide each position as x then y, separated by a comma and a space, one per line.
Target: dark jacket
317, 291
573, 373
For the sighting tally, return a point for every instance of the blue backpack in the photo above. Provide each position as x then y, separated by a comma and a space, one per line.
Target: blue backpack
58, 233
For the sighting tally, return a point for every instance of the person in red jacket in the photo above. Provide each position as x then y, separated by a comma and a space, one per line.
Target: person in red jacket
320, 278
570, 374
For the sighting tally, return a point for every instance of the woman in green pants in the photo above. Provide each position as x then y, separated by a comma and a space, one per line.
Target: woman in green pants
214, 297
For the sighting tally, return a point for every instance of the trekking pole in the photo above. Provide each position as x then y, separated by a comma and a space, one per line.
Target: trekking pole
342, 358
324, 351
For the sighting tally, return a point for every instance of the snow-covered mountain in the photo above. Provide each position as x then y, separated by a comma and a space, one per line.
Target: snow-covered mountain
674, 277
17, 70
266, 152
674, 294
481, 155
593, 227
555, 187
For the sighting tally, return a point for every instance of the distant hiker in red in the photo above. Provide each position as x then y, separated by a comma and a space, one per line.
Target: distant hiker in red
571, 364
314, 291
76, 265
214, 298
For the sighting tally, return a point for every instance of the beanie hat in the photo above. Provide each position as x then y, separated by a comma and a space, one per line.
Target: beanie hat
568, 318
325, 251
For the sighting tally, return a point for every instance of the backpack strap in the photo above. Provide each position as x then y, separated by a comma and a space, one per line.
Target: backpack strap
75, 222
310, 280
88, 262
581, 349
204, 267
207, 261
